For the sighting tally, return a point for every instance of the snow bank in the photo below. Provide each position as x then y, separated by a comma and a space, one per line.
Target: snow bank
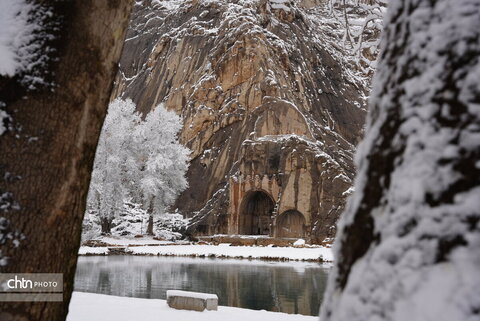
89, 250
299, 242
147, 240
98, 307
225, 251
247, 252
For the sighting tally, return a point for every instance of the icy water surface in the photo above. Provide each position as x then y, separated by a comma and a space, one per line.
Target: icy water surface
290, 287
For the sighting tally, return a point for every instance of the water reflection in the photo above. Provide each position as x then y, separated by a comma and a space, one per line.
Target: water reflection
291, 287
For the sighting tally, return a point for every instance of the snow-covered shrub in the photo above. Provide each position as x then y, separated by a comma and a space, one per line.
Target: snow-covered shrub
90, 226
170, 226
131, 221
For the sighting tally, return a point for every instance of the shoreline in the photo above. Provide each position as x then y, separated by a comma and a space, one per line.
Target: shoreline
316, 254
202, 256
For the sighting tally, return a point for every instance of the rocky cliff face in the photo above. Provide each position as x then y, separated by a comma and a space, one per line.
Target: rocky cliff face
270, 110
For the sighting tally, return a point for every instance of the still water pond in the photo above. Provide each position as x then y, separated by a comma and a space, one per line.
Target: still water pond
290, 287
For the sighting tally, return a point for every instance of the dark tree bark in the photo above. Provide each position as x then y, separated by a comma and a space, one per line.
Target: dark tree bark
106, 224
407, 246
150, 225
50, 160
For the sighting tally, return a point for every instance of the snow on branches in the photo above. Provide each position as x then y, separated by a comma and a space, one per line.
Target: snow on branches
362, 21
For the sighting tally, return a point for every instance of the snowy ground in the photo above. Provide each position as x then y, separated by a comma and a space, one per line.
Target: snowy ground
224, 251
146, 240
98, 307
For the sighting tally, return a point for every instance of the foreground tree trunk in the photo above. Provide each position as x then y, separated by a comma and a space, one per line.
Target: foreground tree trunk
47, 159
408, 243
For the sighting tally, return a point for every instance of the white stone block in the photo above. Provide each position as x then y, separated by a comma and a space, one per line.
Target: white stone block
185, 300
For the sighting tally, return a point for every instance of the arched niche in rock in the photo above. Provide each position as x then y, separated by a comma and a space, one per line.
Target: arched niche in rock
291, 224
256, 213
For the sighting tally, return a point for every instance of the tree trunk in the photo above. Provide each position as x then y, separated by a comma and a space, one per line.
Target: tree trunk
48, 163
106, 224
150, 218
150, 225
407, 246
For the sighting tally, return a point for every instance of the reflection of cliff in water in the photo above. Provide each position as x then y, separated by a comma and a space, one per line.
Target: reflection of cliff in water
291, 287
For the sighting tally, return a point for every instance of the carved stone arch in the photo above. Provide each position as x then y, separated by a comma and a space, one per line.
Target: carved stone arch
291, 224
256, 213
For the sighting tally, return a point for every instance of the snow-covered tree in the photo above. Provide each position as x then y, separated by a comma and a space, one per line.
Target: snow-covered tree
139, 161
113, 161
162, 161
408, 246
